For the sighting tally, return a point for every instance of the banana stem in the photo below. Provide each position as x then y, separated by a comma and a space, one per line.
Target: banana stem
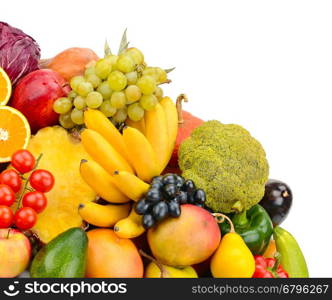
158, 264
179, 99
220, 218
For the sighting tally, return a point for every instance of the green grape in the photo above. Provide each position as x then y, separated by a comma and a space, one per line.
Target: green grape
103, 68
62, 105
89, 71
133, 93
147, 85
162, 75
112, 59
136, 55
118, 99
79, 102
117, 81
135, 112
107, 109
66, 121
151, 71
131, 77
93, 79
94, 100
159, 93
84, 88
125, 63
75, 81
148, 102
105, 89
120, 116
77, 116
71, 95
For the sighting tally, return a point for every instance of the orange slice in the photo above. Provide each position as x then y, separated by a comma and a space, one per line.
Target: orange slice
14, 132
5, 87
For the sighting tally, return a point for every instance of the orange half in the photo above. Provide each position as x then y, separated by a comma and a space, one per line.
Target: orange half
5, 87
14, 132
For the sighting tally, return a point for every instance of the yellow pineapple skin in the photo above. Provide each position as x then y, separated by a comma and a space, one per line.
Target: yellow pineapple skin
61, 156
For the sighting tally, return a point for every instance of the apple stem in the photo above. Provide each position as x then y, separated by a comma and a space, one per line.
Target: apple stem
179, 99
158, 264
220, 218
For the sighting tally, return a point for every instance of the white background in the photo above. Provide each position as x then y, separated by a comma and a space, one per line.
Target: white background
266, 65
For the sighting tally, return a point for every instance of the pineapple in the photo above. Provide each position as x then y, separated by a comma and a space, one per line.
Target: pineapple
62, 155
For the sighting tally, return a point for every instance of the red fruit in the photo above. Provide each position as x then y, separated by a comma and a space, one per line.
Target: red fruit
7, 195
42, 180
23, 161
35, 200
25, 218
11, 178
6, 216
35, 94
187, 123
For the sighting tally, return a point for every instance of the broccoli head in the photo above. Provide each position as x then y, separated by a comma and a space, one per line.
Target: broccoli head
228, 163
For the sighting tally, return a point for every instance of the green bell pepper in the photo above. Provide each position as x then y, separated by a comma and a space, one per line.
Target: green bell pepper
254, 226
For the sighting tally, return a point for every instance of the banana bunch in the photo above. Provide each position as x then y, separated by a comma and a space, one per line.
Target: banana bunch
124, 164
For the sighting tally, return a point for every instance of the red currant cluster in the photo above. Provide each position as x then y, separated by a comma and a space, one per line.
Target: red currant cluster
28, 191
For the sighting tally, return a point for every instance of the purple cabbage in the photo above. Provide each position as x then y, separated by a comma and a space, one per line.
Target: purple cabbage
19, 52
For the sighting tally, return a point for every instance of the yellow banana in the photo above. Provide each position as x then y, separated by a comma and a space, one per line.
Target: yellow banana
103, 215
101, 182
157, 134
97, 121
172, 123
129, 184
129, 227
139, 125
103, 152
141, 154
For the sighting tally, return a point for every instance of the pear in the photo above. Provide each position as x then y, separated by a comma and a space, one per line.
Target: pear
232, 258
163, 271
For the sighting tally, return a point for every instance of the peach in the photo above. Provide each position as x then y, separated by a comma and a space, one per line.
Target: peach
190, 239
112, 257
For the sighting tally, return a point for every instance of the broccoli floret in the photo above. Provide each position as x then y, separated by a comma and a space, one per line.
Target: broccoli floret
228, 163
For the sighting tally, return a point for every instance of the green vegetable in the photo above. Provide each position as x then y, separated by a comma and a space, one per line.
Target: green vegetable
292, 258
228, 163
254, 226
63, 257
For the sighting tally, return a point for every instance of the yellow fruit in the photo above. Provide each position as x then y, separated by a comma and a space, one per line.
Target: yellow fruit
97, 121
14, 132
130, 227
141, 154
101, 182
5, 87
61, 156
103, 215
153, 271
157, 134
139, 125
103, 152
172, 124
130, 185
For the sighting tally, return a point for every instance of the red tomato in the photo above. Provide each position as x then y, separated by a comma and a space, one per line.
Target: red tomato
25, 218
7, 195
12, 179
35, 200
23, 161
42, 180
6, 216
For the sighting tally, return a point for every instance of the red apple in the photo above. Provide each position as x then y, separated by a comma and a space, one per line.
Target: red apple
15, 252
35, 94
187, 123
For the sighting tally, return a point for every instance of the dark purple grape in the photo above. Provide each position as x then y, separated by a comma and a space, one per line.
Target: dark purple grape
160, 211
142, 206
169, 179
189, 186
179, 181
148, 221
181, 197
200, 196
191, 198
277, 200
174, 209
153, 195
170, 190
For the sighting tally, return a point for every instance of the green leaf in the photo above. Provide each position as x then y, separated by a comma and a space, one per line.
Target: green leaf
124, 42
107, 49
169, 70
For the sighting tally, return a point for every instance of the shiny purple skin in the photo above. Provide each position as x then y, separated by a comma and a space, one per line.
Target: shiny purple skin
277, 200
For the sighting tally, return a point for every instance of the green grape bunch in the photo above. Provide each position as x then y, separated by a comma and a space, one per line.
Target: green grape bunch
120, 86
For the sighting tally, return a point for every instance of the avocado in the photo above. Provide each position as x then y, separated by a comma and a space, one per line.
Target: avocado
63, 257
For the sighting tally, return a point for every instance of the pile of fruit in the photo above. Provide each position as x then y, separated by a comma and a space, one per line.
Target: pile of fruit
104, 176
